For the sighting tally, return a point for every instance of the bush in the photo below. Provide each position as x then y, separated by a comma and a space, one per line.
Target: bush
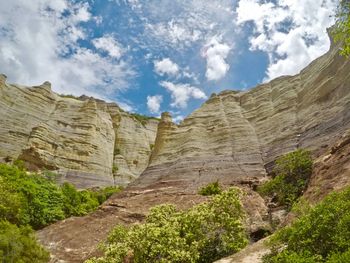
322, 235
210, 189
40, 200
142, 118
203, 233
36, 200
292, 172
33, 201
18, 244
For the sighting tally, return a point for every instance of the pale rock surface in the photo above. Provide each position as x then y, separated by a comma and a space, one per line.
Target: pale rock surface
76, 138
251, 254
235, 136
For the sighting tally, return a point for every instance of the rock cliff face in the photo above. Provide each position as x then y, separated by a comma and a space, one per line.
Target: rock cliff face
81, 139
235, 138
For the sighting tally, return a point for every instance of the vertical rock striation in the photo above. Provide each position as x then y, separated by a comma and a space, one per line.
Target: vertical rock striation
236, 136
77, 138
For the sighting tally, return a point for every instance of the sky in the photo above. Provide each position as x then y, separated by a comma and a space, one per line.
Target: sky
151, 56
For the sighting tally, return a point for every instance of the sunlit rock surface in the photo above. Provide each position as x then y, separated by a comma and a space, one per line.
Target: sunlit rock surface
79, 138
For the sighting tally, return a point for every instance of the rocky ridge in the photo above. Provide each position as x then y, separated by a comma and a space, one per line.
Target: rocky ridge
82, 139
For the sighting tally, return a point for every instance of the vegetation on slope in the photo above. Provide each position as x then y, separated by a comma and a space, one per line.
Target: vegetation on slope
204, 233
33, 201
321, 235
341, 30
143, 119
292, 172
210, 189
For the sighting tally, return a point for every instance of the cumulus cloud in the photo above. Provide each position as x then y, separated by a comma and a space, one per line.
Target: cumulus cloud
179, 24
182, 93
291, 32
178, 118
43, 45
215, 54
108, 44
153, 103
166, 66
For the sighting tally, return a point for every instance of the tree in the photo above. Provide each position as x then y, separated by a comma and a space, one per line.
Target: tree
18, 244
292, 172
321, 235
203, 233
341, 31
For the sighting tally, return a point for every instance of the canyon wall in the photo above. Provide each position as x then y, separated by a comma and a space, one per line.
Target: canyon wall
236, 136
87, 141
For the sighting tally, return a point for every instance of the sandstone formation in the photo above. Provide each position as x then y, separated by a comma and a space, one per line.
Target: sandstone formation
82, 139
234, 138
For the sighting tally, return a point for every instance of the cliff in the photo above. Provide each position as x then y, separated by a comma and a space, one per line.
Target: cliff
81, 139
234, 138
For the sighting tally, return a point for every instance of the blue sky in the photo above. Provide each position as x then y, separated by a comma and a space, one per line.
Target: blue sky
159, 55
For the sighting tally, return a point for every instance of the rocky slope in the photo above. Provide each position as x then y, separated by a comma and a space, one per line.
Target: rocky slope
81, 139
234, 137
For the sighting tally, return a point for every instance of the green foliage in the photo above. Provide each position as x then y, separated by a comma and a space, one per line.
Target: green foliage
70, 96
35, 200
292, 171
38, 201
117, 151
18, 244
321, 235
204, 233
341, 30
19, 164
142, 118
210, 189
115, 169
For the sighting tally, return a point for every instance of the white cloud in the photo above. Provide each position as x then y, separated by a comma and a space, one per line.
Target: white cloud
153, 103
216, 53
109, 44
43, 45
178, 118
182, 93
175, 32
180, 24
291, 32
166, 66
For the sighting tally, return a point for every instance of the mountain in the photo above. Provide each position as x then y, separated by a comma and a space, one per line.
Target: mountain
234, 137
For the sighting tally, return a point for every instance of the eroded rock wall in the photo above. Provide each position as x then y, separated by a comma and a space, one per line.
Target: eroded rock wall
236, 136
78, 138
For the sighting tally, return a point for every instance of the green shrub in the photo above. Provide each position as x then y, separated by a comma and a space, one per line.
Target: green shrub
41, 201
292, 172
210, 189
70, 96
36, 200
115, 169
323, 234
142, 118
18, 244
33, 201
203, 233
